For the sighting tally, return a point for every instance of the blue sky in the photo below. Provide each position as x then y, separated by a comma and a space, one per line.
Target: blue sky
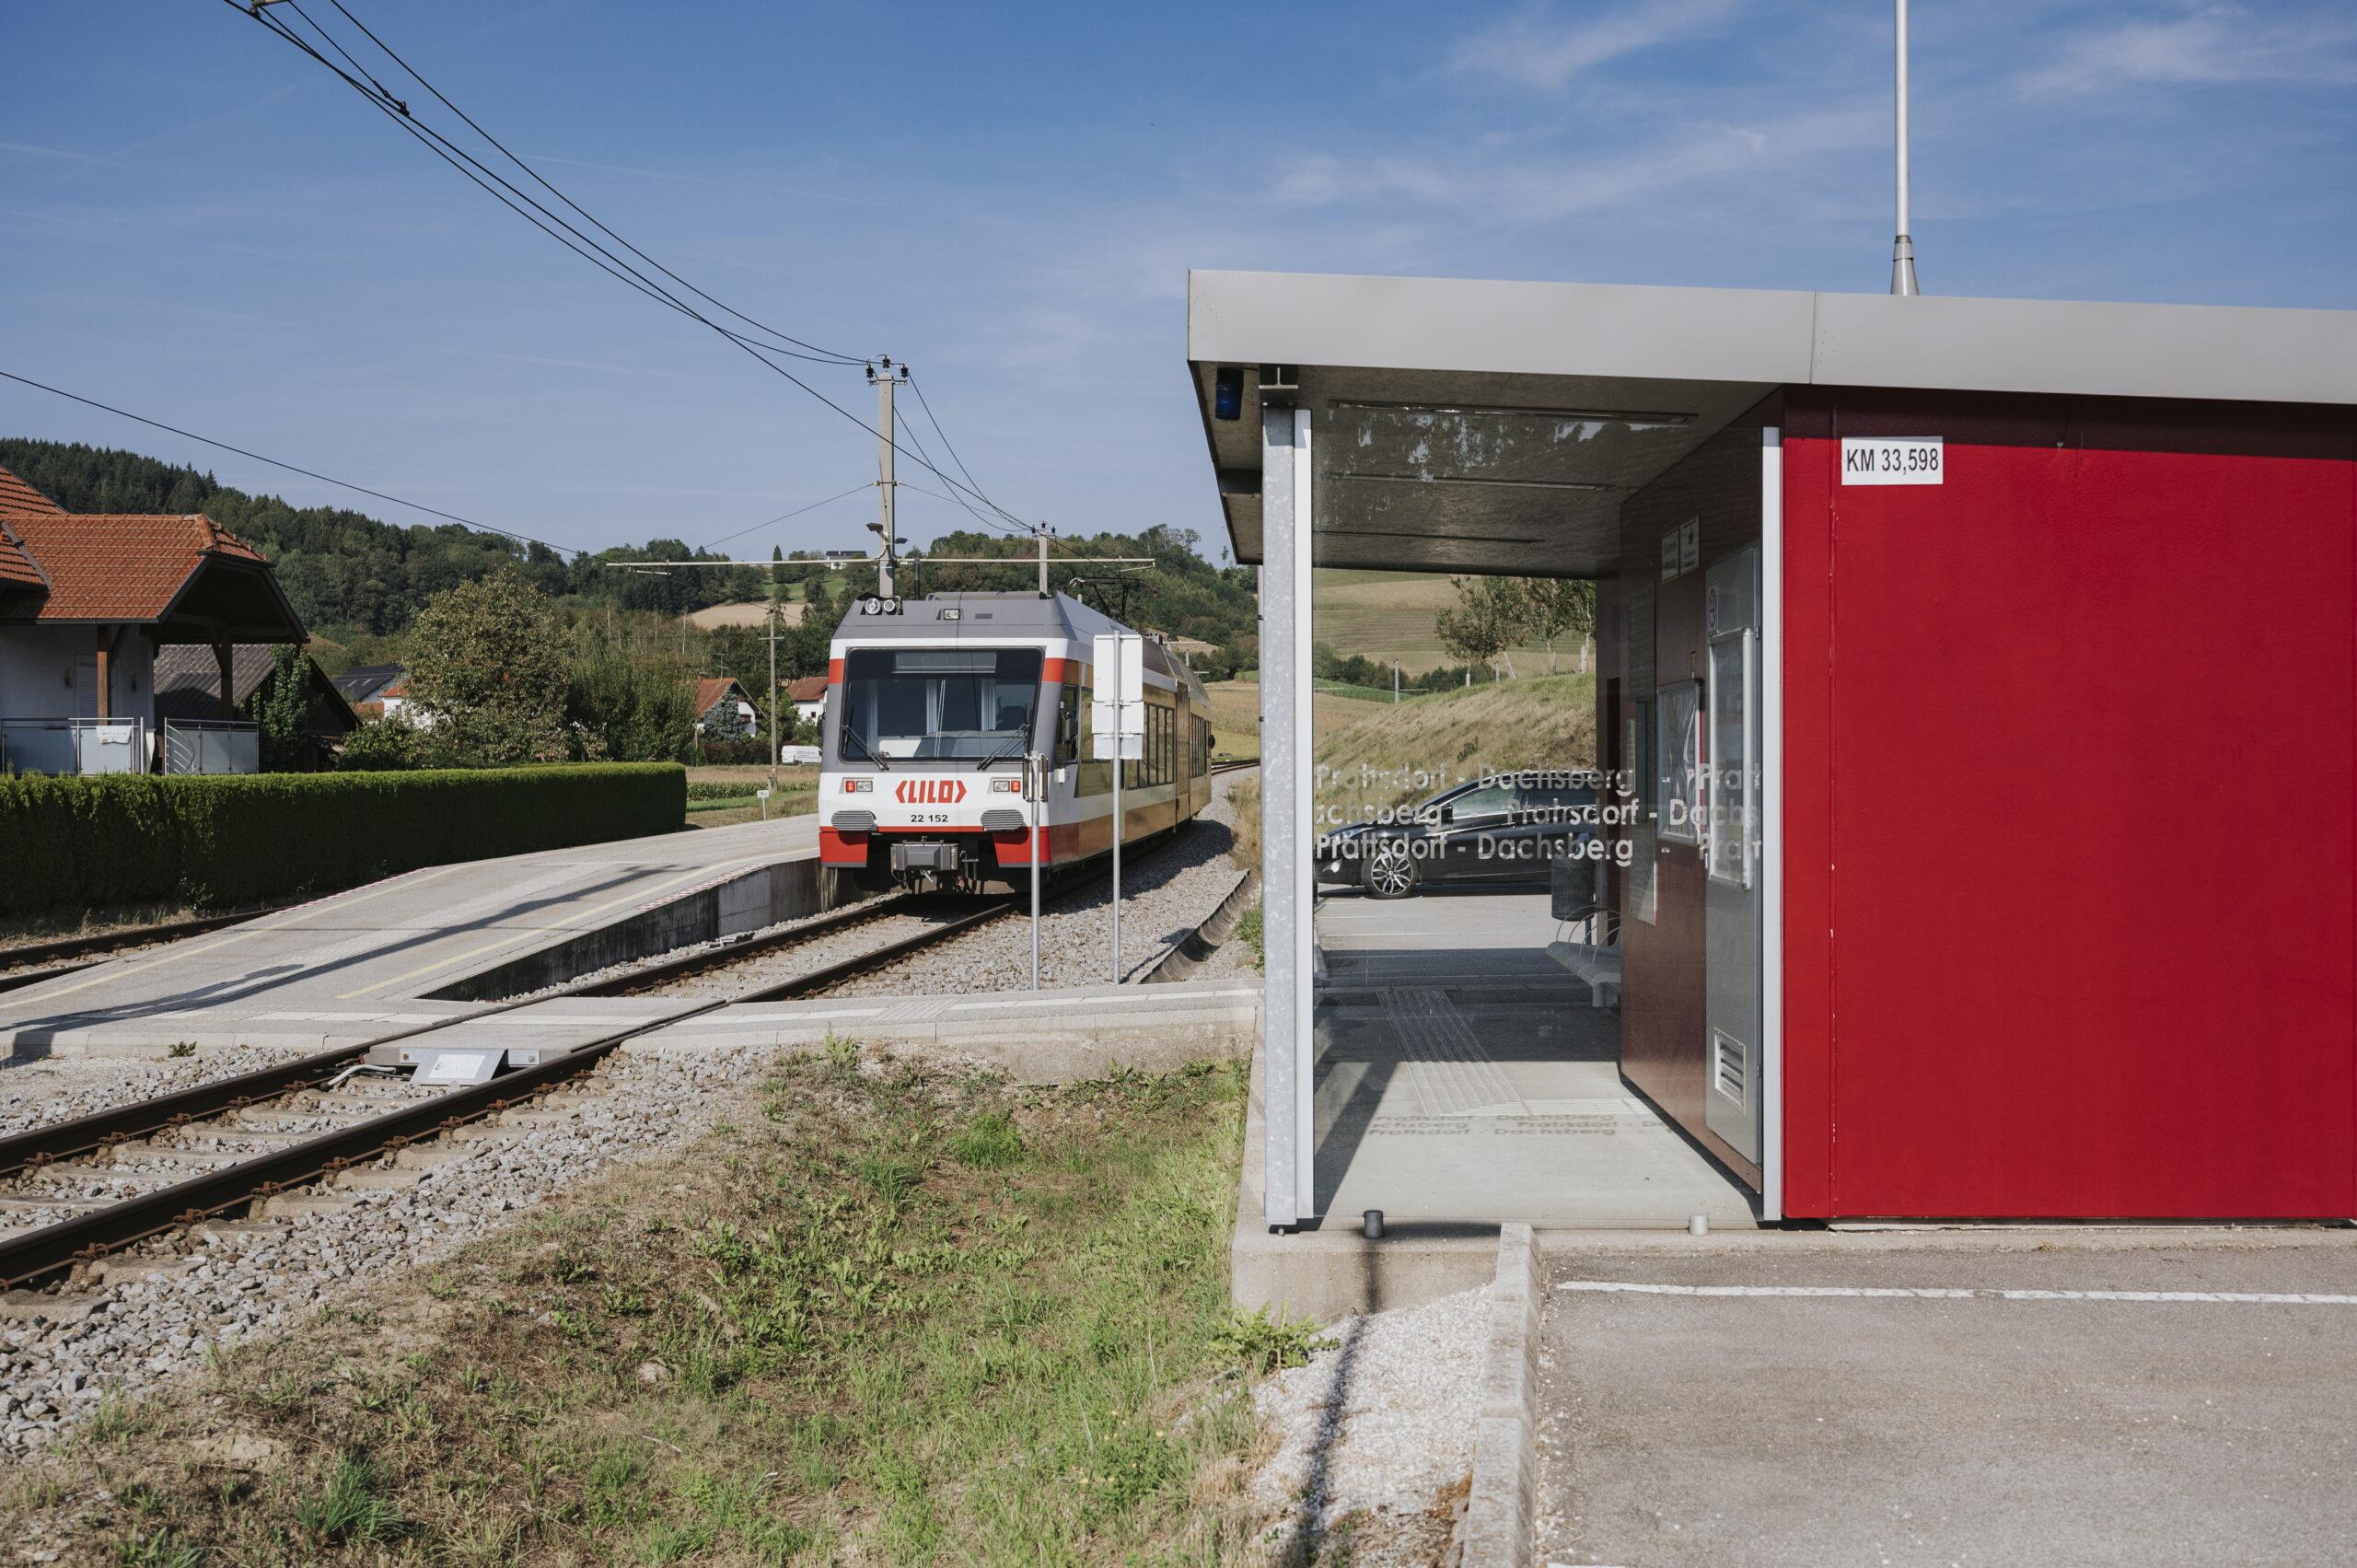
200, 224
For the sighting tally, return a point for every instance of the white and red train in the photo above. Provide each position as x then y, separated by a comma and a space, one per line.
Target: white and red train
930, 705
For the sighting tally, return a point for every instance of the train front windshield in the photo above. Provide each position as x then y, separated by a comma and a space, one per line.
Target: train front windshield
937, 702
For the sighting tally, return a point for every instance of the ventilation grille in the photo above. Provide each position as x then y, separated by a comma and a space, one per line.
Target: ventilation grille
1730, 1070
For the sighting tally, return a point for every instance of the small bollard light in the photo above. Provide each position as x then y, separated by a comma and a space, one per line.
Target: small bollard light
1698, 1225
1372, 1224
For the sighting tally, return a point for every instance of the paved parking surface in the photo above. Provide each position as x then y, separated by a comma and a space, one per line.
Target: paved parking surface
1858, 1429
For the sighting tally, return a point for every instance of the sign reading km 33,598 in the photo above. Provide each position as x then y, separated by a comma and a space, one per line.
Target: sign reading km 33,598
1891, 460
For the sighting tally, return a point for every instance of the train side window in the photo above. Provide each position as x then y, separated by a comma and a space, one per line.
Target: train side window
1068, 722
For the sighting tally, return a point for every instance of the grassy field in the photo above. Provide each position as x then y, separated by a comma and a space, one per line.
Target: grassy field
887, 1315
1388, 615
1236, 716
720, 796
1450, 735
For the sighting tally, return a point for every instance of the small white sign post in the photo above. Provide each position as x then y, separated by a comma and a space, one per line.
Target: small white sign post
1035, 790
1118, 721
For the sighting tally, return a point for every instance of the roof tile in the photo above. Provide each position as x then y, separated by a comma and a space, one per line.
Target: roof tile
17, 497
115, 567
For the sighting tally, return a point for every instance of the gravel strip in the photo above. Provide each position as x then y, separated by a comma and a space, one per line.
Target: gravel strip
1163, 899
167, 1301
1380, 1427
36, 1091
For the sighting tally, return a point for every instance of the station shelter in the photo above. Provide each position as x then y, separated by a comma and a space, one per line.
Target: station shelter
1976, 690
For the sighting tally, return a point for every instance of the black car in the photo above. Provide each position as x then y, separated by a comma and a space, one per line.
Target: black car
1504, 829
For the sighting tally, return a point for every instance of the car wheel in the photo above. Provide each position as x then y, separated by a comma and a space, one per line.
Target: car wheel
1391, 870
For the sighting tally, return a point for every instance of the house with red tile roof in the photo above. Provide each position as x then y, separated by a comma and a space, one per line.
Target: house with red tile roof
85, 601
809, 696
720, 693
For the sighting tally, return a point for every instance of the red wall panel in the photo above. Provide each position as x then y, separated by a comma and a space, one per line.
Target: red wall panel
2073, 760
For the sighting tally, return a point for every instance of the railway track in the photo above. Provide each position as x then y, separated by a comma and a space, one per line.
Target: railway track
34, 962
83, 1190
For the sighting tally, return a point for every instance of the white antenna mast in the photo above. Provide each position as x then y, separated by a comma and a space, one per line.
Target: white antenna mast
1902, 249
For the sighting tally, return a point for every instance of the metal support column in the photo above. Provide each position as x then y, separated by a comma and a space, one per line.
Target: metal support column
1771, 824
1287, 822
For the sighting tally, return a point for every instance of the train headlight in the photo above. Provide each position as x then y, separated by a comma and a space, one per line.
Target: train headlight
859, 787
1005, 786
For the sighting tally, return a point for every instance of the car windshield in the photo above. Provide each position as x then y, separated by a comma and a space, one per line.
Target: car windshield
937, 702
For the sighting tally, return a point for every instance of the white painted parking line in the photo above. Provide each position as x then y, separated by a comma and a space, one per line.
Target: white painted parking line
2264, 1298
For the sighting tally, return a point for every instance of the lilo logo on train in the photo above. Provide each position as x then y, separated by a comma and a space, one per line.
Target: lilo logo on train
934, 704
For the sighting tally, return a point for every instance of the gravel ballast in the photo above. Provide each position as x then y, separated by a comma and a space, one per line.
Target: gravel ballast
1164, 896
163, 1303
1375, 1435
38, 1091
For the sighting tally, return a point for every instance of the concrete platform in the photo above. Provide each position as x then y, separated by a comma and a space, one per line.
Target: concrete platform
364, 963
1049, 1037
1463, 1080
1463, 1074
1046, 1037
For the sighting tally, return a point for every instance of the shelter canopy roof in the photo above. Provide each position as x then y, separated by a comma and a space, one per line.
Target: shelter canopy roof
1497, 426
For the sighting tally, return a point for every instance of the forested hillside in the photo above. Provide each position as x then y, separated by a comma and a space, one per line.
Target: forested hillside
348, 574
351, 576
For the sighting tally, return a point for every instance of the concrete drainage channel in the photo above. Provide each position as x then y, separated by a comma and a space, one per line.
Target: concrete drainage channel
1191, 953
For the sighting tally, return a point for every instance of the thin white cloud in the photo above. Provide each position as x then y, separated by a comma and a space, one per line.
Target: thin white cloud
1527, 189
2219, 44
1534, 48
32, 151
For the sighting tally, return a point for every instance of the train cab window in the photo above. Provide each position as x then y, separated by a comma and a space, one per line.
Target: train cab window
943, 703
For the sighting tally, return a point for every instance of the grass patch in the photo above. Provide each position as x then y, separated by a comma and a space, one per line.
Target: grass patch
887, 1314
1506, 725
1249, 931
1244, 798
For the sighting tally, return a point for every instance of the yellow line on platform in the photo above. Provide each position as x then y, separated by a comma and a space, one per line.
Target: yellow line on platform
584, 917
112, 975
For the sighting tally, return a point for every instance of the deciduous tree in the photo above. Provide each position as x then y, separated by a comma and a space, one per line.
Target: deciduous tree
1557, 606
1485, 622
487, 668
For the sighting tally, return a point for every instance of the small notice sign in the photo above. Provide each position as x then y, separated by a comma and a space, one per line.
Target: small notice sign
1681, 549
1892, 459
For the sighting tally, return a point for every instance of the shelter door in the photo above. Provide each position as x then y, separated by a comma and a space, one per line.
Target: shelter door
1731, 853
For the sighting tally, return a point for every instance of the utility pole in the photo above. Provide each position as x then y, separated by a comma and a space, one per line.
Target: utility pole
885, 484
773, 739
1035, 790
1043, 558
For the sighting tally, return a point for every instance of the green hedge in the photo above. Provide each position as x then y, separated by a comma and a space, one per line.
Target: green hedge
221, 840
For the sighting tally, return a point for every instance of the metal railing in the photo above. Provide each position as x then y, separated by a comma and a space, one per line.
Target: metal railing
212, 746
72, 746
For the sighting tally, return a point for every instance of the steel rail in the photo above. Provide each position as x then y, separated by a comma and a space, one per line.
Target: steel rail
15, 979
836, 973
86, 1238
723, 956
135, 936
